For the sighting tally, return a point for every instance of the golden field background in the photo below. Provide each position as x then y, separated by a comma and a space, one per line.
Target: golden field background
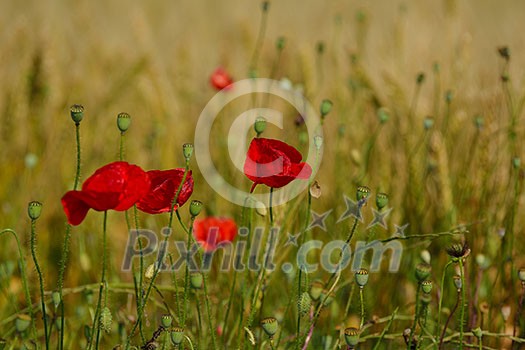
153, 60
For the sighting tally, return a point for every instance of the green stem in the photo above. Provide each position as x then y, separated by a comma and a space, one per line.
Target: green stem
462, 310
25, 285
362, 302
260, 37
208, 310
416, 317
40, 279
298, 330
101, 287
271, 207
65, 246
441, 296
187, 279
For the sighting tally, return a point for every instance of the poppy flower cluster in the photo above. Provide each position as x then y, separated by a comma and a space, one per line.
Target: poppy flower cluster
120, 185
210, 232
274, 163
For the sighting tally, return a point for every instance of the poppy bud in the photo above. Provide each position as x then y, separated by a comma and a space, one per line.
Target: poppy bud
187, 150
420, 78
34, 209
281, 41
426, 286
260, 208
482, 261
123, 121
381, 200
326, 107
22, 322
423, 271
265, 6
77, 113
505, 312
166, 321
448, 96
56, 298
351, 337
516, 162
196, 280
106, 320
320, 47
270, 326
361, 277
382, 115
428, 123
260, 125
177, 335
436, 67
504, 52
315, 289
479, 122
477, 332
195, 208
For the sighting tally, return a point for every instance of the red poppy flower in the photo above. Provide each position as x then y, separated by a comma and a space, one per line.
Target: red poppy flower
274, 163
220, 79
164, 186
212, 231
117, 186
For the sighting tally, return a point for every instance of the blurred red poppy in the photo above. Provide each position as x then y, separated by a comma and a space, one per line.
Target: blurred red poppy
117, 186
274, 163
164, 186
212, 231
220, 79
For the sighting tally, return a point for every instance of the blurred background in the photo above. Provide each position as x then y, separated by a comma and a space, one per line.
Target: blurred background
447, 155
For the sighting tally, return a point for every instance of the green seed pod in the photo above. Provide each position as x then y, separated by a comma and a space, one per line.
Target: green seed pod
123, 121
77, 113
56, 299
195, 208
166, 320
320, 47
436, 67
381, 200
479, 122
34, 209
477, 332
265, 6
196, 280
352, 337
326, 107
458, 282
316, 289
361, 277
383, 115
22, 322
304, 303
270, 326
362, 193
318, 142
106, 320
260, 125
428, 123
426, 299
426, 286
420, 78
177, 335
187, 150
280, 43
423, 271
448, 96
521, 275
516, 162
504, 52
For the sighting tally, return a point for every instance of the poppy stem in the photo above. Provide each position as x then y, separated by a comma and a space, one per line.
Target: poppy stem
271, 206
40, 280
101, 288
65, 246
